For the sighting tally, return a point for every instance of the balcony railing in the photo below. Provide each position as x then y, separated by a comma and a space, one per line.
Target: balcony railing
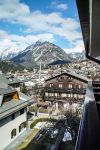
89, 130
67, 90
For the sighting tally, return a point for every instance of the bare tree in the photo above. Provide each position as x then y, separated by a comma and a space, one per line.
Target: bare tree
72, 123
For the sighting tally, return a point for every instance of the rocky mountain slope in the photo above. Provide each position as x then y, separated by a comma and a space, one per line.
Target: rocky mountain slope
9, 66
44, 52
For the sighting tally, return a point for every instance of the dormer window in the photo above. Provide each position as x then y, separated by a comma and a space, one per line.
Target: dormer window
10, 96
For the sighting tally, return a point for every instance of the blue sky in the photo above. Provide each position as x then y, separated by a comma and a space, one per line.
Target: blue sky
23, 22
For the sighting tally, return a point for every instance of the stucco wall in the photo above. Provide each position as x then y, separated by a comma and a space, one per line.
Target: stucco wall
7, 125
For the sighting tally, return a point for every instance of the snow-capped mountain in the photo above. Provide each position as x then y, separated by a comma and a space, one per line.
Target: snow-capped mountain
40, 51
78, 55
9, 53
44, 52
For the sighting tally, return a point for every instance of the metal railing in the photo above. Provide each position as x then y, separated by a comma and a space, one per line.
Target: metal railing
67, 90
89, 130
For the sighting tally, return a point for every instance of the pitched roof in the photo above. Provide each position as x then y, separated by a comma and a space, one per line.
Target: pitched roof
12, 80
3, 82
6, 80
73, 75
11, 107
6, 91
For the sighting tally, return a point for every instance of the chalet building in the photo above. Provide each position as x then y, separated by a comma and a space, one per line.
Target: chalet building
65, 88
13, 115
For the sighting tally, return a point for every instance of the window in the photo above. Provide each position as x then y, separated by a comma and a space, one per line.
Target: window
62, 77
12, 116
75, 95
69, 78
79, 86
56, 94
46, 94
70, 86
21, 111
51, 85
7, 98
68, 95
81, 96
60, 85
51, 94
13, 133
71, 95
22, 126
64, 95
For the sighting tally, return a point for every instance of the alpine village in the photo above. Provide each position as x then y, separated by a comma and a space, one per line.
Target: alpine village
50, 98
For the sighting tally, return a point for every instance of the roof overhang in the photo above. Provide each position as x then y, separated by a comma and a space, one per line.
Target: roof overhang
74, 76
89, 15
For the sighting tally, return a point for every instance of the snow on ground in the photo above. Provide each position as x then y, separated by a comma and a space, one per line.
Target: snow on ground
41, 125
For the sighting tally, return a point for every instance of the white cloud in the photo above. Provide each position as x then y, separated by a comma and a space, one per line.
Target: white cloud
21, 42
12, 40
60, 6
44, 25
11, 10
36, 21
54, 23
77, 47
3, 34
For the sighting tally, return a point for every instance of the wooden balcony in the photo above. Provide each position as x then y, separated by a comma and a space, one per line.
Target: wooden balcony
68, 90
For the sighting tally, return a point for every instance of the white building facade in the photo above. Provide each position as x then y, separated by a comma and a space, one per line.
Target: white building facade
11, 127
13, 117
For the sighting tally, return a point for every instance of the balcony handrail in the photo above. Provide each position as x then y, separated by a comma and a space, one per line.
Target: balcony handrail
54, 88
89, 129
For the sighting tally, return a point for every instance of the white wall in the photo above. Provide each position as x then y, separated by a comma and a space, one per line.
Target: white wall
7, 125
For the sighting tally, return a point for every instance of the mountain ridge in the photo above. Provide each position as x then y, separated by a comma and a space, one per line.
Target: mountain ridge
44, 52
